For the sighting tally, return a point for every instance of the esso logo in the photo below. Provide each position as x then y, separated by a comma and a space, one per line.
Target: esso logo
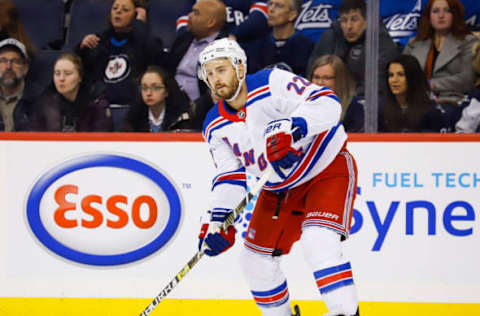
104, 209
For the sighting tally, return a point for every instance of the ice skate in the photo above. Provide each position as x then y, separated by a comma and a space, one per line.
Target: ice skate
297, 310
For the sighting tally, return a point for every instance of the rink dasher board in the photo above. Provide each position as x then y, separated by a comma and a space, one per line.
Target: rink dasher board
428, 191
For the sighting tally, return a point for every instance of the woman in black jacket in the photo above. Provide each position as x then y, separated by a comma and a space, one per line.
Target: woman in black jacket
407, 106
70, 104
163, 106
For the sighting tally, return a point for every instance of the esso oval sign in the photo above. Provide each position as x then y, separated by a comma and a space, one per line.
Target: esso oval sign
104, 209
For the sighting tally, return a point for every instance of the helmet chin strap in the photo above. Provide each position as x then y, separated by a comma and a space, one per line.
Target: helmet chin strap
239, 88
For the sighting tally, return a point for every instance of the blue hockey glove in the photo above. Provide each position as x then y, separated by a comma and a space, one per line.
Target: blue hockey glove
280, 135
217, 242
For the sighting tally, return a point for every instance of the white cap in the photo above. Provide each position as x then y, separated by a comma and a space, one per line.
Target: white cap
16, 44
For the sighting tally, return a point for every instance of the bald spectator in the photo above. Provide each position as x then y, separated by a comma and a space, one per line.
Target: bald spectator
246, 19
206, 24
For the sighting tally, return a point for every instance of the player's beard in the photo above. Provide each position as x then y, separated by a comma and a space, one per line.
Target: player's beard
227, 91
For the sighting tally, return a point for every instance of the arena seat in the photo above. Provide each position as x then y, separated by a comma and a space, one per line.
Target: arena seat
43, 21
41, 68
86, 17
162, 16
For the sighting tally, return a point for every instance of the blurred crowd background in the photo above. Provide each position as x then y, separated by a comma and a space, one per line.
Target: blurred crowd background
131, 65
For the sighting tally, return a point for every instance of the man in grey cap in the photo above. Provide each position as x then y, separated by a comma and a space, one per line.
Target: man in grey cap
15, 108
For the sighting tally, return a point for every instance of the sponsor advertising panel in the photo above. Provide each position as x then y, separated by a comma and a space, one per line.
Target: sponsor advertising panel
120, 219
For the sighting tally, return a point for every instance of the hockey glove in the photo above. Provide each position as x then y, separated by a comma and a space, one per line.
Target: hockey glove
217, 242
280, 135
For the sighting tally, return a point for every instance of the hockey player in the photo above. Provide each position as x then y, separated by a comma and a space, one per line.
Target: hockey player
275, 117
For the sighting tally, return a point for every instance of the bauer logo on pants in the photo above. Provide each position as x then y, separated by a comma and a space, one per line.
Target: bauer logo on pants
104, 209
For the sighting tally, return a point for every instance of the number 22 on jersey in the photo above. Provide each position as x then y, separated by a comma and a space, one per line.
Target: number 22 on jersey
298, 84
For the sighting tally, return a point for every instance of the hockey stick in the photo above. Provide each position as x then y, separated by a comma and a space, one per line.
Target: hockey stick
192, 262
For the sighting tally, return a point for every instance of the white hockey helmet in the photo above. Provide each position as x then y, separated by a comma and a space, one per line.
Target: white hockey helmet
221, 48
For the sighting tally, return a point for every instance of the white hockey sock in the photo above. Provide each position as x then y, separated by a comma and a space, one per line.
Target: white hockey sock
333, 274
342, 301
267, 283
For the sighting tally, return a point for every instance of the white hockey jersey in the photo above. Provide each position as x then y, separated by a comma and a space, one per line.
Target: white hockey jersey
236, 139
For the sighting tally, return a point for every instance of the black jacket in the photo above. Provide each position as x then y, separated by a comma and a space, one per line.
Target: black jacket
433, 118
120, 58
22, 114
354, 119
87, 113
177, 112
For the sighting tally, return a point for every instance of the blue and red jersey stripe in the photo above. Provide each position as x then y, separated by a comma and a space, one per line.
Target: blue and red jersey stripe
237, 177
214, 125
258, 94
321, 93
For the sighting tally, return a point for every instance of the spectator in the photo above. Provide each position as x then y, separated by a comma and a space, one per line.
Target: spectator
443, 46
11, 27
245, 19
284, 46
16, 94
346, 39
407, 107
119, 55
206, 23
70, 104
331, 72
470, 120
163, 105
